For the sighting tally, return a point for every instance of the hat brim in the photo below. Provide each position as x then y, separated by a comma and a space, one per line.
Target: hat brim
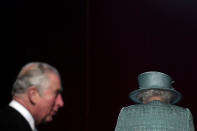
176, 98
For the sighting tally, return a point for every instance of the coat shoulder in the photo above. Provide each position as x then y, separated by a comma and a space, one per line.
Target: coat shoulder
138, 107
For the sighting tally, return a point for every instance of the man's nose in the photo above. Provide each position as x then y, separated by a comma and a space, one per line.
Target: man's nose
59, 101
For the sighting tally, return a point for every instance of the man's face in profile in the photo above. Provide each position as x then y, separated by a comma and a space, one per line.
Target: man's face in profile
50, 100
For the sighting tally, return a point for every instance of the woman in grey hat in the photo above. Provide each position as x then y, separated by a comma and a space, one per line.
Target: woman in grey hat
155, 111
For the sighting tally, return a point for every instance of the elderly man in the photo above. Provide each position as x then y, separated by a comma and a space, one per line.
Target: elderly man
36, 98
155, 111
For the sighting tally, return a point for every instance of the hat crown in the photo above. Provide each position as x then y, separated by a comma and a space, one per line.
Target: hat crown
154, 79
157, 80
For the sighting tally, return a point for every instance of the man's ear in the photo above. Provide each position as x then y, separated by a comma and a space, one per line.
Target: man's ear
33, 95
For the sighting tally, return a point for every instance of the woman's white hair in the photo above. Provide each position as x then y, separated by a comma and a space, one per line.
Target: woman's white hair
165, 96
33, 74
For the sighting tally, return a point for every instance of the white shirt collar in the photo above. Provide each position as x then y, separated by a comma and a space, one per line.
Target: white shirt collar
24, 112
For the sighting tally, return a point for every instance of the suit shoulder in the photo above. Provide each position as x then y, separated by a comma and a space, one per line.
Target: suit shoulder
12, 120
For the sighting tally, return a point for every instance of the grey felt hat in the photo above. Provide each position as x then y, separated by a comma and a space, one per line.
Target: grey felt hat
155, 80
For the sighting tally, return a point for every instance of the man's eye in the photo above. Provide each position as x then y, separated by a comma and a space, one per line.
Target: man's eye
57, 93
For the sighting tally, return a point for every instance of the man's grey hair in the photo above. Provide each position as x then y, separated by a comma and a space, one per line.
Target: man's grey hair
33, 74
165, 96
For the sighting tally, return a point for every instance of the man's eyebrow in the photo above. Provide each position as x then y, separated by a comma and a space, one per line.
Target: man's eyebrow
59, 90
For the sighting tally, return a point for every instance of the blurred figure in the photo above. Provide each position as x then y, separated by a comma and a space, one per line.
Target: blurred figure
155, 111
36, 98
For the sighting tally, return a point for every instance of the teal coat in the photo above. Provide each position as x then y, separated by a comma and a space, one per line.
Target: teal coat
154, 116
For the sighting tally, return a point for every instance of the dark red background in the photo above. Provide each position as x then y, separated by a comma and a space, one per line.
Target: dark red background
99, 47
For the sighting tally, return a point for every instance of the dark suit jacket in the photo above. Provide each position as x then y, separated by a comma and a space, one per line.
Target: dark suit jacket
12, 120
